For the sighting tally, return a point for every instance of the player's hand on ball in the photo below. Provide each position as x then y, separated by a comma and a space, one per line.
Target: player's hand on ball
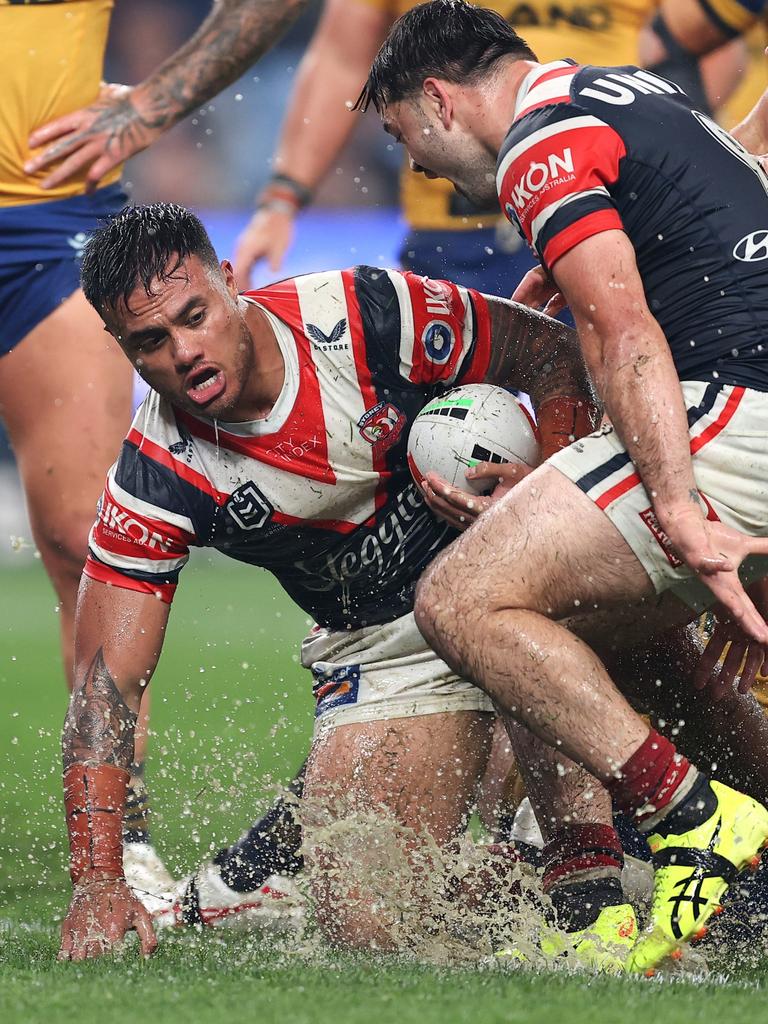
98, 137
268, 235
102, 912
537, 290
461, 509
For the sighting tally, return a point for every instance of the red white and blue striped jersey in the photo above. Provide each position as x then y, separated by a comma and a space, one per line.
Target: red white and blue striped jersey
319, 491
596, 149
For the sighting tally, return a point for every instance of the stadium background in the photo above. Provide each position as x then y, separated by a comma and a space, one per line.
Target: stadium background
232, 713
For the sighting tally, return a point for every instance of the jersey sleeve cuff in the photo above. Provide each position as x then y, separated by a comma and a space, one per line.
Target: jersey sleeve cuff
102, 573
567, 239
476, 369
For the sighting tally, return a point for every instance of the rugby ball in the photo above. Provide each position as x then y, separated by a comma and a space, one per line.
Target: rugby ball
470, 424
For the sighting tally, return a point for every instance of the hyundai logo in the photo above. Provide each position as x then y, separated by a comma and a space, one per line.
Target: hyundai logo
752, 248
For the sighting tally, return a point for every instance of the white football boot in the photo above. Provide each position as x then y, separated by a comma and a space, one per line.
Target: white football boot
145, 872
203, 898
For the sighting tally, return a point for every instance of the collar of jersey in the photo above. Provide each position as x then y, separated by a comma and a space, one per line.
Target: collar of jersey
532, 78
278, 414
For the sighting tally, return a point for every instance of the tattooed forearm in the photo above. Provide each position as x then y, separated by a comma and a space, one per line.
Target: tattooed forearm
99, 726
233, 36
533, 353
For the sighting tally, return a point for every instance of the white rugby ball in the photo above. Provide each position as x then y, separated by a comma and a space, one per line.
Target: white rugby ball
470, 424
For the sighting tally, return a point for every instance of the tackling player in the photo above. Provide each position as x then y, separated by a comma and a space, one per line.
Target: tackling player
602, 168
277, 433
447, 236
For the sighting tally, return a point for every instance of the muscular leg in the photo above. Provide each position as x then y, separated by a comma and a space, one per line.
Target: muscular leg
422, 774
66, 402
487, 606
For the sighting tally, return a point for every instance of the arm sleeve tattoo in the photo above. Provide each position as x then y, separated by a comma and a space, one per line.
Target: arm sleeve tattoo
232, 38
533, 353
99, 727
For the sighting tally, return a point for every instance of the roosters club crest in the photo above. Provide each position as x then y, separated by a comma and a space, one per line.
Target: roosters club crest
382, 425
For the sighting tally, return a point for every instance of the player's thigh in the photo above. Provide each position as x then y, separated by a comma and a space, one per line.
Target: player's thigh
544, 547
422, 772
65, 398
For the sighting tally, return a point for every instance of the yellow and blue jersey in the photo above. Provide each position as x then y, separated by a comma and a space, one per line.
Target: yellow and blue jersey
51, 59
734, 17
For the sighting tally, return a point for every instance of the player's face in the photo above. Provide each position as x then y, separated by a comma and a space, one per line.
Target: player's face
189, 339
440, 147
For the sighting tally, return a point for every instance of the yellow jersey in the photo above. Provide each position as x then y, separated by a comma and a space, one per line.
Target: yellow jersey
735, 17
51, 60
591, 33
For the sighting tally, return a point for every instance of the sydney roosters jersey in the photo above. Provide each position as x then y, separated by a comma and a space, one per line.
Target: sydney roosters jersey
596, 149
319, 491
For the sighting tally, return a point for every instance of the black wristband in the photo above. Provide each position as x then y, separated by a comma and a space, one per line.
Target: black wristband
302, 192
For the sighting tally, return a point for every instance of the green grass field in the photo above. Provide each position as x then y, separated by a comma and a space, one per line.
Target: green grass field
232, 716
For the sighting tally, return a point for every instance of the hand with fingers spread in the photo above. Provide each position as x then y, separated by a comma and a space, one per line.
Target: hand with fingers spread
459, 508
537, 290
715, 551
103, 910
742, 658
99, 137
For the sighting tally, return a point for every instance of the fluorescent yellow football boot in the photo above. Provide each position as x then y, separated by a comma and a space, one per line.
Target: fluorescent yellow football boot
603, 947
694, 870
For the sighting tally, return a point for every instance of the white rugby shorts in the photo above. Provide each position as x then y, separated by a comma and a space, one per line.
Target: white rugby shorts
381, 672
728, 428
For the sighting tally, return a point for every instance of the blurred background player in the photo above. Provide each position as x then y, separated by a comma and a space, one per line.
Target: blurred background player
684, 30
446, 235
65, 392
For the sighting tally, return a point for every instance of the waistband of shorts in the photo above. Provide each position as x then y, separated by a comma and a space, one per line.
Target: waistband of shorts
471, 699
41, 231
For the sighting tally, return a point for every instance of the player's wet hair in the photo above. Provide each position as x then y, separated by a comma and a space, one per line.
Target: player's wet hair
448, 39
139, 245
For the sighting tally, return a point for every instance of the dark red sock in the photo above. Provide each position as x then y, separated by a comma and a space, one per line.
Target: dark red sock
650, 780
578, 852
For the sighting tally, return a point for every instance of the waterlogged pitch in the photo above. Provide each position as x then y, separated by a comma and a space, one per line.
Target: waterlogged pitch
232, 719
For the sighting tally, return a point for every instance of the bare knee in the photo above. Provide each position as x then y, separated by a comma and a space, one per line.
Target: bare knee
443, 609
63, 546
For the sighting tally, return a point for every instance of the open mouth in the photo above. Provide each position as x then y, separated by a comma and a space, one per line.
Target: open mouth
205, 385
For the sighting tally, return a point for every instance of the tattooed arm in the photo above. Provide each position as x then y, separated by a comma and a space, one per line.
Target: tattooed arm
532, 352
123, 120
119, 634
